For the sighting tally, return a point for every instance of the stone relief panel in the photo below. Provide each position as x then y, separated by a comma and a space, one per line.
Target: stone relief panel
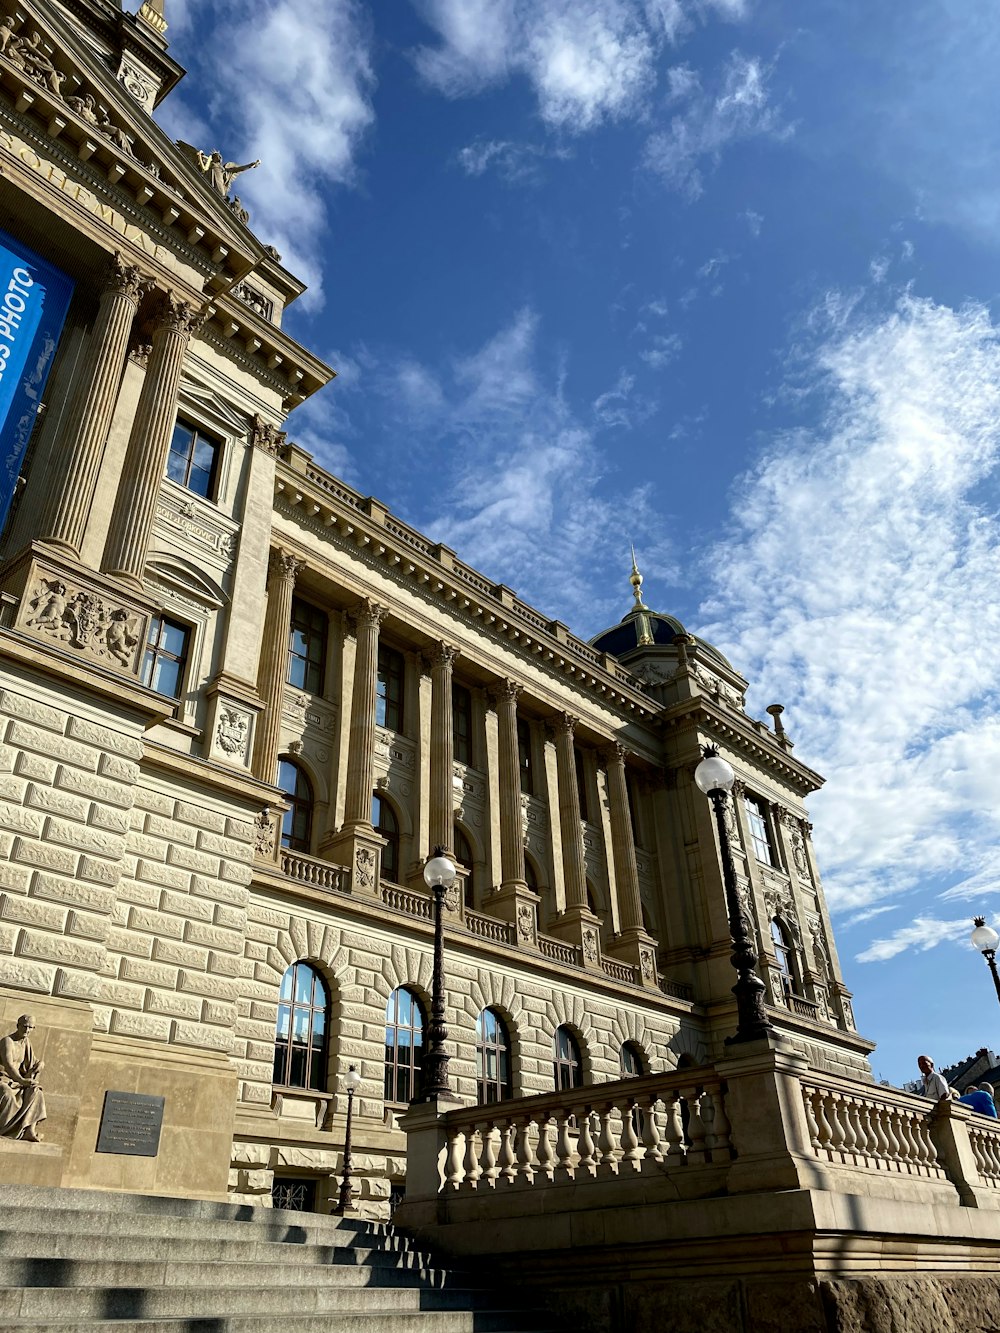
255, 299
60, 610
395, 751
231, 738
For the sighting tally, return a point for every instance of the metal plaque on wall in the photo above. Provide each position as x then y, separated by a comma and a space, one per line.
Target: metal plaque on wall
130, 1124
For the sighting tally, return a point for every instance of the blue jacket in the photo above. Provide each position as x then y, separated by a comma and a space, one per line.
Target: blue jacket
981, 1102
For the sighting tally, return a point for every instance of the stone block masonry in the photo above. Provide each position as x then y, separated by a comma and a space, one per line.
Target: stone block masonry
115, 887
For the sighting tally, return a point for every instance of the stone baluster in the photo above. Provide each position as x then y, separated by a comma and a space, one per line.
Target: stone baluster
629, 1138
505, 696
570, 827
696, 1130
473, 1145
81, 446
651, 1132
454, 1169
587, 1163
545, 1152
607, 1143
564, 1147
847, 1120
282, 571
527, 1163
809, 1096
891, 1135
149, 441
489, 1157
442, 776
367, 616
878, 1126
675, 1130
507, 1162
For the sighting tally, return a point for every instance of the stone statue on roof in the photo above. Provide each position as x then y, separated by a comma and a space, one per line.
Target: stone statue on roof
220, 174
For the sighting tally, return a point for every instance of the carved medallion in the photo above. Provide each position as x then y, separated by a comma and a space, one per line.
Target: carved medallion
233, 732
263, 834
525, 922
364, 868
590, 945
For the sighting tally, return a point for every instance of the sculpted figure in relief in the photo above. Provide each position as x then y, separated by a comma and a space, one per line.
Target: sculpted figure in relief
22, 1102
220, 174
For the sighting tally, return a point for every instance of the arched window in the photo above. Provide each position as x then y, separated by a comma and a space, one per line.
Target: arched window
385, 822
404, 1045
296, 827
632, 1060
784, 951
567, 1066
492, 1058
463, 855
300, 1039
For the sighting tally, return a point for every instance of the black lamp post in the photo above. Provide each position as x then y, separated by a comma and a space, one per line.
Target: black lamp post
715, 777
986, 939
352, 1081
439, 875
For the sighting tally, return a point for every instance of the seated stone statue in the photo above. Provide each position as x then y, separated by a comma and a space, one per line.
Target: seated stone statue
22, 1102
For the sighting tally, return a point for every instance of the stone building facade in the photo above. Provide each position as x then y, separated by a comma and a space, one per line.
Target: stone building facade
241, 703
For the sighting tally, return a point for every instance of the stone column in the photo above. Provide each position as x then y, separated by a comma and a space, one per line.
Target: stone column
367, 616
632, 943
81, 448
357, 845
442, 785
511, 835
577, 922
149, 441
281, 574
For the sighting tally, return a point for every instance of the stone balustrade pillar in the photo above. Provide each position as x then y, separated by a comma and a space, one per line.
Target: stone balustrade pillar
149, 442
442, 775
623, 843
82, 440
367, 618
272, 671
570, 827
511, 835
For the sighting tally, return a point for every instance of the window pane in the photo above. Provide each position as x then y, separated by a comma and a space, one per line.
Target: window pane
172, 637
204, 453
284, 1013
303, 984
177, 467
166, 677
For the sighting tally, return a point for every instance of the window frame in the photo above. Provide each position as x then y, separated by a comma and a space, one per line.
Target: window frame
389, 831
467, 862
313, 668
783, 948
390, 670
761, 829
298, 804
414, 1066
569, 1062
196, 433
461, 717
525, 758
316, 1060
498, 1087
163, 655
634, 1052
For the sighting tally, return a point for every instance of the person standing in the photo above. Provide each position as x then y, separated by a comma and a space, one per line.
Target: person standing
934, 1085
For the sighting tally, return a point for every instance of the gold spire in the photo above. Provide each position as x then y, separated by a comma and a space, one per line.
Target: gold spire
635, 578
152, 12
644, 630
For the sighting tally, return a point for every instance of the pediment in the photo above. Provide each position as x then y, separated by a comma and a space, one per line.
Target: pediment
185, 579
57, 86
208, 403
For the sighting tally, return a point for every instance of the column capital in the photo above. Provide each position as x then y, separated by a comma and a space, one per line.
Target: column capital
283, 565
266, 436
175, 315
367, 613
565, 724
505, 691
614, 753
441, 654
123, 278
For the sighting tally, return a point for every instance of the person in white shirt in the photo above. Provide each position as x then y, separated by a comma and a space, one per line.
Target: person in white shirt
934, 1085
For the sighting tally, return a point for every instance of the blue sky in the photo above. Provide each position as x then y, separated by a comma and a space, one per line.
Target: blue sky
714, 276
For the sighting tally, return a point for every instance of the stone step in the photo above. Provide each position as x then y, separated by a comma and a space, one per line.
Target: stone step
161, 1302
348, 1321
122, 1272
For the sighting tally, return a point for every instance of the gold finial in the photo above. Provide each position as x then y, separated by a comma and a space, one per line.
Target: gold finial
635, 578
152, 12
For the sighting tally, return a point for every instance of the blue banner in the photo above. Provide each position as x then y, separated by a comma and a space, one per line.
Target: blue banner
34, 299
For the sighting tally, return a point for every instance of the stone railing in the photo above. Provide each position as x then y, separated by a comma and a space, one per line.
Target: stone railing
558, 950
406, 900
593, 1132
860, 1127
803, 1007
490, 928
320, 874
620, 971
985, 1141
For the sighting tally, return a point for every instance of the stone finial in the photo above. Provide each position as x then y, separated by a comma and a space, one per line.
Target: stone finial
776, 711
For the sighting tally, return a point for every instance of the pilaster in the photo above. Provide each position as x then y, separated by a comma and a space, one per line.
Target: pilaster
282, 571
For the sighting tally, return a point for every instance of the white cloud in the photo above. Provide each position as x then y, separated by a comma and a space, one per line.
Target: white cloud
708, 123
925, 933
661, 350
292, 87
753, 220
587, 61
858, 586
515, 163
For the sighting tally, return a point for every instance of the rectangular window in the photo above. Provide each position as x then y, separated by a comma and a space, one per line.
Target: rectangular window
760, 830
389, 690
193, 460
165, 659
581, 783
524, 757
307, 647
461, 723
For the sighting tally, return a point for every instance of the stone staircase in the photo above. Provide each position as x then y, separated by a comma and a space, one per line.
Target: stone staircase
82, 1261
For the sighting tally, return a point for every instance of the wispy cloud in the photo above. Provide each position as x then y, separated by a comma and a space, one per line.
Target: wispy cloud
708, 122
858, 586
586, 62
924, 933
515, 163
293, 87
